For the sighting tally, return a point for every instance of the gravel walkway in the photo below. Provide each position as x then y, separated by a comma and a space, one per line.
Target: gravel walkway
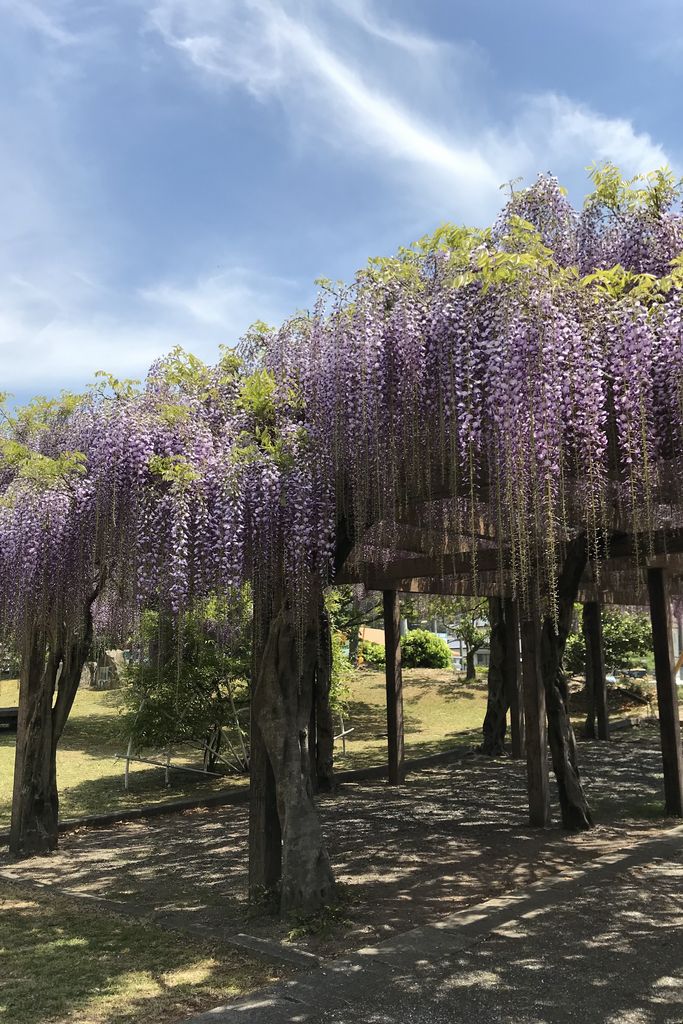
453, 836
603, 943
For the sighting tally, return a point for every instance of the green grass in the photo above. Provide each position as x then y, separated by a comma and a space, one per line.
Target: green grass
440, 710
90, 779
61, 961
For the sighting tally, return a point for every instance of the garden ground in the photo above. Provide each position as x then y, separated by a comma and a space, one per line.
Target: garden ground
454, 835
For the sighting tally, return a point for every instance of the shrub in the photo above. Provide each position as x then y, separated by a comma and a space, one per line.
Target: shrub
422, 649
371, 653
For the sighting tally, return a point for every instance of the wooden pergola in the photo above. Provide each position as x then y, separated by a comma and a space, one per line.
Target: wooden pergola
411, 558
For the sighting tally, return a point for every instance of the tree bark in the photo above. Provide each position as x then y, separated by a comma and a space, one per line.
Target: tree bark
324, 736
589, 689
595, 657
46, 666
513, 677
535, 720
497, 705
394, 688
283, 698
573, 804
667, 691
354, 644
265, 836
35, 803
470, 670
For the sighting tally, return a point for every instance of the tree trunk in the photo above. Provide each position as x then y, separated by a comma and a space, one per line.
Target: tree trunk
497, 706
35, 803
471, 672
354, 644
265, 836
513, 677
595, 657
283, 697
45, 667
324, 736
573, 804
589, 689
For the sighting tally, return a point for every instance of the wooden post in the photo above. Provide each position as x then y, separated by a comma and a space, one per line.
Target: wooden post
667, 696
513, 677
595, 665
392, 641
535, 722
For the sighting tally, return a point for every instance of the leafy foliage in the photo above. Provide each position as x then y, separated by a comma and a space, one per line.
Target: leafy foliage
422, 649
178, 688
372, 653
626, 637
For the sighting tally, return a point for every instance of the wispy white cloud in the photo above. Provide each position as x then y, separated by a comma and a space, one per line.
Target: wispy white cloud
341, 71
235, 296
273, 52
35, 17
258, 45
365, 15
567, 132
60, 326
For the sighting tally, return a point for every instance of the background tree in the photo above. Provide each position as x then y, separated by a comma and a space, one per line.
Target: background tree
626, 636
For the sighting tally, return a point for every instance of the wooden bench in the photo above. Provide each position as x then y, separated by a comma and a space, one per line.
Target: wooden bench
8, 719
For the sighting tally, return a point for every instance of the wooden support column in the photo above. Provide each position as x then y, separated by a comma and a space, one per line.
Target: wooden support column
513, 677
535, 722
667, 696
392, 641
595, 669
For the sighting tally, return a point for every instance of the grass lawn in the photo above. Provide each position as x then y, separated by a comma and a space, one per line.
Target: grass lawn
440, 711
61, 961
90, 780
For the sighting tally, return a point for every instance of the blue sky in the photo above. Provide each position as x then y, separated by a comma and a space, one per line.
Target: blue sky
171, 171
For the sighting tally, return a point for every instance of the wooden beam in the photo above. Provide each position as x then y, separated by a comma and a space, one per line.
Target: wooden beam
667, 696
595, 667
513, 677
535, 722
392, 642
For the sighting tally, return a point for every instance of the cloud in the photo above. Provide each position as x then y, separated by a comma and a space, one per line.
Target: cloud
258, 45
566, 132
364, 14
59, 327
233, 297
34, 17
277, 53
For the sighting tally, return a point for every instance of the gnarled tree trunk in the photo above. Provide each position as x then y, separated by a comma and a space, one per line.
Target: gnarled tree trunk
46, 666
497, 705
470, 670
573, 804
324, 734
35, 804
283, 697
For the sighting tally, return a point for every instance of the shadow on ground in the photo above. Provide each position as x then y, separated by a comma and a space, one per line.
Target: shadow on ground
453, 836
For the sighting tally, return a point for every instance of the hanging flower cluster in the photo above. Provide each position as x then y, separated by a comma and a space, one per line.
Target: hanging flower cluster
500, 389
